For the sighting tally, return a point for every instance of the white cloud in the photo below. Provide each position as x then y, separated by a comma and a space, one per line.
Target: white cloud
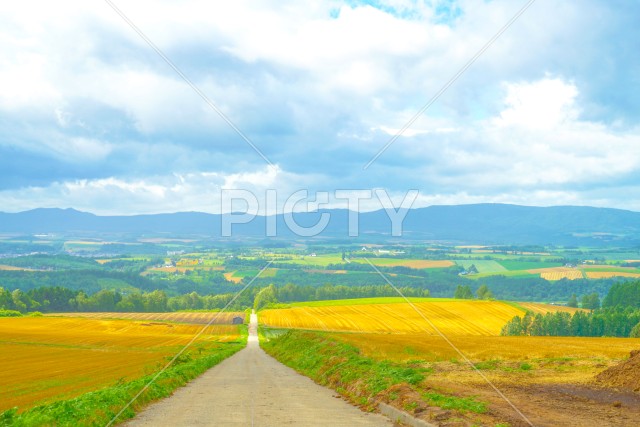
318, 93
538, 146
544, 104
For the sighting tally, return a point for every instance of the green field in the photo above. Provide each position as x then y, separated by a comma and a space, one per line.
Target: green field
527, 265
361, 301
268, 272
500, 256
320, 260
483, 266
506, 273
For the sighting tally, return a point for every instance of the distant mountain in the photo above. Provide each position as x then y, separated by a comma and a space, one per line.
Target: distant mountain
479, 223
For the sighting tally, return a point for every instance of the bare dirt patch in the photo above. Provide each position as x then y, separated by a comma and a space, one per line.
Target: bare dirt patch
625, 376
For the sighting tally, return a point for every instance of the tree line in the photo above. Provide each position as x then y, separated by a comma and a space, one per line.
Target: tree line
60, 299
619, 317
616, 322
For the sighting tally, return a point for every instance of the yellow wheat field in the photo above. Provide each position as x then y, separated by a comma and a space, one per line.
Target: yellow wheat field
451, 317
51, 358
558, 275
608, 274
224, 318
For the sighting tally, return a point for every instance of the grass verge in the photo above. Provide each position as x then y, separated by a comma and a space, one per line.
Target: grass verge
363, 380
340, 366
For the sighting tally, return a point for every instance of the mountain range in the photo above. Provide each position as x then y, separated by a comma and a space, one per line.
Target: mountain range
474, 223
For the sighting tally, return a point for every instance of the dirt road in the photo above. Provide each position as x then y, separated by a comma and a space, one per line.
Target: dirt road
253, 389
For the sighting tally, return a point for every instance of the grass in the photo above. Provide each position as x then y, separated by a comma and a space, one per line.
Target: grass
268, 272
320, 260
340, 366
506, 273
405, 262
462, 404
10, 313
527, 265
483, 266
365, 380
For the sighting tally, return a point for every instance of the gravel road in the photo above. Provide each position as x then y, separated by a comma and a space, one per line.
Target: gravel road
253, 389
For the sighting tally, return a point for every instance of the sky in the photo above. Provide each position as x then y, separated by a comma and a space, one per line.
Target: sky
93, 118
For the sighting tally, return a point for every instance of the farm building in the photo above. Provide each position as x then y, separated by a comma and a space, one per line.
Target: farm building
237, 320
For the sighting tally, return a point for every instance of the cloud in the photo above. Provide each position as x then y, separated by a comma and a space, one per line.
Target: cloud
91, 117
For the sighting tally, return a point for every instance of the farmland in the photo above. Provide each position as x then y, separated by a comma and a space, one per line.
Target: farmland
400, 360
482, 266
198, 318
405, 347
558, 275
609, 274
46, 358
393, 315
545, 308
411, 263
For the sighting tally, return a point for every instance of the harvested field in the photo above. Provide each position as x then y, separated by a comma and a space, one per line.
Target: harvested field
608, 274
403, 347
558, 273
197, 318
46, 358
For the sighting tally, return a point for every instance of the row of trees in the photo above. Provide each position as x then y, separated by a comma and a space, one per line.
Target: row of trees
625, 294
60, 299
590, 301
619, 317
609, 322
465, 292
291, 292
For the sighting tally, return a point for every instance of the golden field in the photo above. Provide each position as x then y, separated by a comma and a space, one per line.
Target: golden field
51, 358
403, 347
451, 317
549, 361
608, 274
198, 317
558, 275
